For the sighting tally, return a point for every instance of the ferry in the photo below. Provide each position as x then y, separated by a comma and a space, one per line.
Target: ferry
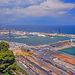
42, 35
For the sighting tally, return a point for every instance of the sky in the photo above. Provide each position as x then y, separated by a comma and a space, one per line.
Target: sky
37, 12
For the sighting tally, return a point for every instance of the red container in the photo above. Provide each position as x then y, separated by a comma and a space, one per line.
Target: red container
21, 59
59, 58
58, 67
34, 58
73, 73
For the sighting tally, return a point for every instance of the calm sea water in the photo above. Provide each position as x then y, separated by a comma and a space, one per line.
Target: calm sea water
69, 51
35, 40
65, 29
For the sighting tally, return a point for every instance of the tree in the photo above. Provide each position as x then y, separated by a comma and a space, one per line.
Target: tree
4, 46
7, 59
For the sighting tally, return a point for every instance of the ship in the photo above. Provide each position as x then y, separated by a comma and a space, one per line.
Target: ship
51, 38
41, 35
71, 36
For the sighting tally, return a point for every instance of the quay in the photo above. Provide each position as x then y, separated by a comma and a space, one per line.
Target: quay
45, 59
46, 53
65, 54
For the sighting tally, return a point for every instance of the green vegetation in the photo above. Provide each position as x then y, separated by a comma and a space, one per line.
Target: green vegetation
7, 74
7, 59
18, 71
8, 64
21, 70
23, 49
4, 46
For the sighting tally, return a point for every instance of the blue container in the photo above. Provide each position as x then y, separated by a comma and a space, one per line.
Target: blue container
18, 60
61, 68
65, 70
63, 65
56, 65
29, 61
72, 74
50, 71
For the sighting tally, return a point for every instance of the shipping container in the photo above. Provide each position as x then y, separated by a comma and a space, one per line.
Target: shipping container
63, 65
65, 70
18, 60
50, 71
28, 64
28, 68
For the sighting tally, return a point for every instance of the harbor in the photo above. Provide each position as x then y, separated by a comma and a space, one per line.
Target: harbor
45, 58
41, 53
37, 37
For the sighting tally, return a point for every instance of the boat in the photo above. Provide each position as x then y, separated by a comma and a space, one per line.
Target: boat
51, 38
73, 36
41, 35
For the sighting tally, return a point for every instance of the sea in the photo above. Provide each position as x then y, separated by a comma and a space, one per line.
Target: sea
65, 29
34, 40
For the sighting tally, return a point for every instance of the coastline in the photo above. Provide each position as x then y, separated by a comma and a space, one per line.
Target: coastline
65, 54
57, 49
56, 52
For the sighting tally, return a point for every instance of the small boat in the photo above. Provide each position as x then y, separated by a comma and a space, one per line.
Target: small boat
51, 38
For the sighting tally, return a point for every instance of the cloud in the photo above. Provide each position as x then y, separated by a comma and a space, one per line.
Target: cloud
73, 17
45, 8
49, 7
19, 2
62, 12
13, 19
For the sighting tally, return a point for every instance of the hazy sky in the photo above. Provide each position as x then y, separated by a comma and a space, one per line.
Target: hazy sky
37, 12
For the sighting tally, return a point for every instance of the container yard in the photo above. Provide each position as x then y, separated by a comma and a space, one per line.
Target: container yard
43, 62
65, 58
44, 59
